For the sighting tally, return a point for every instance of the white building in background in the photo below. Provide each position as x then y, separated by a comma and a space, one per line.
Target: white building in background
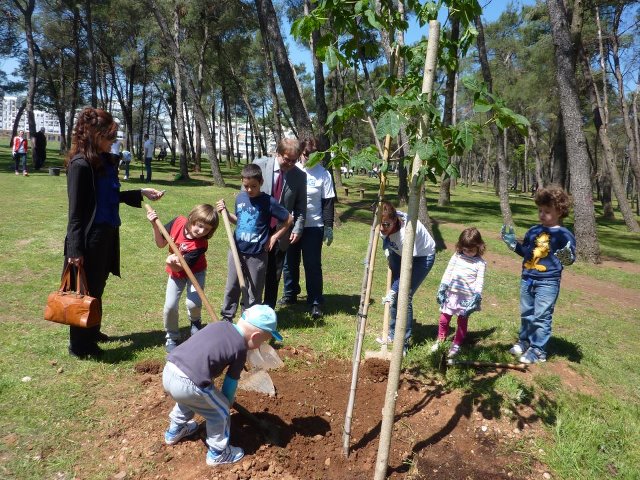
240, 134
8, 113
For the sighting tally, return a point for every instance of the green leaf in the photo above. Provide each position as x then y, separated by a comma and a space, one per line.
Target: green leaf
388, 124
481, 106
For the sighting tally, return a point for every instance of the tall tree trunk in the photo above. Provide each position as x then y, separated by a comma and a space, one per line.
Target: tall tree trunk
27, 13
585, 226
75, 81
503, 177
270, 30
391, 395
559, 157
539, 176
600, 119
93, 84
173, 44
322, 111
633, 150
175, 39
449, 105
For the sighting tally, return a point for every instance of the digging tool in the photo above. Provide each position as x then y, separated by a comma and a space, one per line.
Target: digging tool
384, 352
265, 357
254, 381
447, 362
271, 432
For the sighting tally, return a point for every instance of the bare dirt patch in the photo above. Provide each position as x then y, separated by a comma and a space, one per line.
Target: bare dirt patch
437, 435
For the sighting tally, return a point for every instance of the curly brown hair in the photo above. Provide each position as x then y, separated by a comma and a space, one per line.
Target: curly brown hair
92, 125
554, 196
471, 238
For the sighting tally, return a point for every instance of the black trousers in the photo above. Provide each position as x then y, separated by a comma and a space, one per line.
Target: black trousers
275, 262
101, 253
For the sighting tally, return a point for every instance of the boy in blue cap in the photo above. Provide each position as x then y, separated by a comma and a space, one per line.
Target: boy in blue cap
192, 366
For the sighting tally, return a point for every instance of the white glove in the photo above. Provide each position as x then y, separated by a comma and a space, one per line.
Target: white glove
390, 297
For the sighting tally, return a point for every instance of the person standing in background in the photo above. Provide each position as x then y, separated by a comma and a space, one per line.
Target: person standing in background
318, 228
288, 185
39, 149
19, 149
148, 155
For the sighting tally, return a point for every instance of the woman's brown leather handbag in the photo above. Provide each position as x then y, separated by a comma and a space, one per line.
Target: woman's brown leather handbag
75, 308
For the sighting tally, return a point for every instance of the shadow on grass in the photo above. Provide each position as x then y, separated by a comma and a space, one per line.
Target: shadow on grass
298, 315
135, 342
564, 348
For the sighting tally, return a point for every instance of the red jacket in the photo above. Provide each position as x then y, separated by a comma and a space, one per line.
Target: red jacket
16, 144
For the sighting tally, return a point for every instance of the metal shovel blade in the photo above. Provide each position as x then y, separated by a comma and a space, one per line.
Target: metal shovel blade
257, 381
266, 357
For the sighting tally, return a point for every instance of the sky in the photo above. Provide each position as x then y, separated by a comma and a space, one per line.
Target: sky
491, 10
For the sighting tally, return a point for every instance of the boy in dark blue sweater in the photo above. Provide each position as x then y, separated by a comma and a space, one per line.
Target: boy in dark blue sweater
546, 249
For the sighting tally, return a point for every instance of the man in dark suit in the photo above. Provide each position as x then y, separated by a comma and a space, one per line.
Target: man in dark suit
288, 184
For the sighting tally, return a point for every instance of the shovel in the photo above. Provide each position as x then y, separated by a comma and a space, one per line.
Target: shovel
253, 380
384, 353
266, 356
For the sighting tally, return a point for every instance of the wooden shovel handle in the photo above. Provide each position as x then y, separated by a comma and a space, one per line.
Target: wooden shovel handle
184, 265
236, 258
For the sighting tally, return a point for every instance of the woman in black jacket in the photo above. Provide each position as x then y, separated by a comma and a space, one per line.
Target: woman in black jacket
93, 228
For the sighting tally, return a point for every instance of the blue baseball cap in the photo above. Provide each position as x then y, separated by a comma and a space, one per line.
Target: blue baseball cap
263, 317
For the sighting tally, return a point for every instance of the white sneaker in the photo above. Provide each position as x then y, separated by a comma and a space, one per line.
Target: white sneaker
518, 349
228, 455
382, 342
455, 349
436, 346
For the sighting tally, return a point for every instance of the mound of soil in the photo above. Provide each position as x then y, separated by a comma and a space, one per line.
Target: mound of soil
437, 434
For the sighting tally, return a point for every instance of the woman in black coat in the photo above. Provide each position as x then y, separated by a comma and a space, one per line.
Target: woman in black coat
93, 228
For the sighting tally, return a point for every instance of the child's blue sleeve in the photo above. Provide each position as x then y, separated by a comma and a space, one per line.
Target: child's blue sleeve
229, 387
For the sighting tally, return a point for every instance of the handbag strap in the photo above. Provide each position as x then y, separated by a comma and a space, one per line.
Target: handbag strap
81, 282
65, 283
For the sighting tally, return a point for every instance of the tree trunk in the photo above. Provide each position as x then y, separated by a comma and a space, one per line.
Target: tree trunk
559, 163
75, 81
27, 13
449, 106
322, 111
173, 44
270, 29
585, 227
533, 136
503, 171
634, 153
93, 85
388, 412
600, 119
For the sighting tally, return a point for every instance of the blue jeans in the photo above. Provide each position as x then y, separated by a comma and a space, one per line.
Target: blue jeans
310, 245
147, 165
537, 301
21, 161
191, 399
421, 268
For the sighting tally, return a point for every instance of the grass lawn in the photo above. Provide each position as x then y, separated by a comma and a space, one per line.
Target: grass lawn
592, 433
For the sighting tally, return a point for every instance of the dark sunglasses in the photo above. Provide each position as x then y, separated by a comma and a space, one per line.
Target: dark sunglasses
386, 224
